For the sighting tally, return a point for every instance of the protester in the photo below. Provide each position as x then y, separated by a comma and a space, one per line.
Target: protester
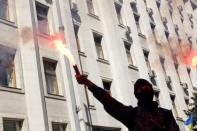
147, 116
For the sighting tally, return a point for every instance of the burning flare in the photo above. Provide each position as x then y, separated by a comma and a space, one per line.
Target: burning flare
194, 61
191, 59
64, 50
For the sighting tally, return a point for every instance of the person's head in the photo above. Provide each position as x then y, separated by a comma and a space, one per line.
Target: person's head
143, 90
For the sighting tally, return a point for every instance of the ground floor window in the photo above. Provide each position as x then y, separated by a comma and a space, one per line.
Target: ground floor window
58, 127
12, 125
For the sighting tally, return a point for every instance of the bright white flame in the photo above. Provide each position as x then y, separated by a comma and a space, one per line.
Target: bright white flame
64, 50
194, 61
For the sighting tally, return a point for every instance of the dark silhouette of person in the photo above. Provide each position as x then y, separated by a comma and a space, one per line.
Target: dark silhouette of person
147, 116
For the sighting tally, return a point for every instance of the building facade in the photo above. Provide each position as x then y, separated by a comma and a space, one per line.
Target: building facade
114, 42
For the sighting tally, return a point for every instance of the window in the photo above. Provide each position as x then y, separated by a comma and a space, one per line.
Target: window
151, 73
164, 20
134, 7
176, 69
189, 73
186, 91
137, 23
154, 35
42, 17
194, 5
12, 125
165, 23
90, 7
127, 49
7, 69
170, 7
50, 76
158, 3
146, 53
162, 60
4, 9
76, 29
191, 21
150, 14
177, 31
118, 12
58, 127
107, 86
187, 102
169, 84
99, 49
174, 109
190, 39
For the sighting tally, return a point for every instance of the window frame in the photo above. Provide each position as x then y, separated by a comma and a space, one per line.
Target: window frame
90, 7
107, 81
12, 53
128, 52
61, 126
56, 91
49, 18
118, 9
18, 123
98, 45
11, 20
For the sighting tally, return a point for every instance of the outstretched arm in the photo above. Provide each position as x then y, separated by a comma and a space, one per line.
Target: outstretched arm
173, 125
170, 121
112, 106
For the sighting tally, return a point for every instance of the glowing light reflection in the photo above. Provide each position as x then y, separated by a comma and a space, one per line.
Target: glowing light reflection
64, 50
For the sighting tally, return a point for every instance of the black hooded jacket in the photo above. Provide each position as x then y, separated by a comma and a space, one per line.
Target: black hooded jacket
137, 118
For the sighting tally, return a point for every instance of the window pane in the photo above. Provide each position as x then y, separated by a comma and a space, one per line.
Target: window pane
99, 51
118, 12
134, 8
107, 85
90, 7
42, 16
56, 127
4, 13
9, 125
51, 84
97, 41
7, 71
50, 75
76, 29
129, 57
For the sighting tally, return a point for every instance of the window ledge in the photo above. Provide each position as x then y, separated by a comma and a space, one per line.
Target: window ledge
194, 88
45, 35
171, 92
141, 35
81, 53
122, 25
103, 61
186, 97
57, 97
136, 13
179, 118
156, 89
93, 16
12, 89
92, 107
133, 67
9, 23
